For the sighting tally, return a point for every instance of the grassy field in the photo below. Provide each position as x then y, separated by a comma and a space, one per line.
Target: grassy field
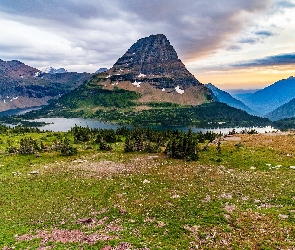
240, 197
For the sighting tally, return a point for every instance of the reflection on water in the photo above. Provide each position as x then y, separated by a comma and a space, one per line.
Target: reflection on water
65, 124
18, 111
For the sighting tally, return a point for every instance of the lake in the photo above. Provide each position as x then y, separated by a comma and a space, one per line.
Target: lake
65, 124
18, 111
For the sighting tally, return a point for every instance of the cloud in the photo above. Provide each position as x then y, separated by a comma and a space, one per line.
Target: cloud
264, 33
249, 40
102, 31
285, 4
234, 48
276, 60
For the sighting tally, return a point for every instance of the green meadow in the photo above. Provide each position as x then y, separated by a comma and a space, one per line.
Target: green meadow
238, 194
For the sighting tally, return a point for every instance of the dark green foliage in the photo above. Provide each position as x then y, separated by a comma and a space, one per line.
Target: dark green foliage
128, 146
218, 148
67, 149
250, 132
210, 115
152, 147
87, 95
178, 144
285, 124
82, 134
28, 146
108, 135
145, 140
104, 146
10, 148
183, 146
208, 136
163, 104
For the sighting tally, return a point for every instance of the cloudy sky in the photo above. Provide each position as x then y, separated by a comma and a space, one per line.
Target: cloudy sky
230, 43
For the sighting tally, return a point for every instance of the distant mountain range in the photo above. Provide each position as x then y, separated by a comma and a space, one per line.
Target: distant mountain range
287, 110
23, 86
274, 102
241, 94
272, 97
223, 96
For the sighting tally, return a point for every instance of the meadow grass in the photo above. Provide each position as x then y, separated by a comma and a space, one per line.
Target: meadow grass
240, 197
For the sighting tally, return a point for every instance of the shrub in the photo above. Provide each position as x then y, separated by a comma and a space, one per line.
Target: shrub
104, 146
28, 146
67, 149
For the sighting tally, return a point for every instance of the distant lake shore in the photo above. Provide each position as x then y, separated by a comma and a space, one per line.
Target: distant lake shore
65, 124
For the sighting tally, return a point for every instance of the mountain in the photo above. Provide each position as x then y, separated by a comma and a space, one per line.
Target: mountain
268, 99
148, 85
151, 67
51, 70
287, 110
241, 94
22, 86
101, 70
223, 96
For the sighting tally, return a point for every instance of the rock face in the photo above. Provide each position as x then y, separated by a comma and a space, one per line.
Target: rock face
22, 86
153, 60
151, 67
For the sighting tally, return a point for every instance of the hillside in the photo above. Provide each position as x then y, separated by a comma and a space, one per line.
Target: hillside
285, 111
241, 94
223, 96
268, 99
56, 193
23, 86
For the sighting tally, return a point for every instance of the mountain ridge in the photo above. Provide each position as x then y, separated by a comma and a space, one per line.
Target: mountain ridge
23, 86
225, 97
273, 96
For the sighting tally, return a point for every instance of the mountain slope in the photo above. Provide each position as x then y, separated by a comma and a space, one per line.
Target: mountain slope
223, 96
285, 111
152, 68
268, 99
147, 86
23, 86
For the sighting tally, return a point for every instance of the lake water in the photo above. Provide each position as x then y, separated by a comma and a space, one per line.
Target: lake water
18, 111
65, 124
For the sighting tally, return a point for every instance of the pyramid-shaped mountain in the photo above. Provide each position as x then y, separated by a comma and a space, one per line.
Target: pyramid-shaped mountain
151, 67
154, 60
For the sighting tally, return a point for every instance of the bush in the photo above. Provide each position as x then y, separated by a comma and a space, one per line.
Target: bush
104, 146
67, 149
28, 146
183, 146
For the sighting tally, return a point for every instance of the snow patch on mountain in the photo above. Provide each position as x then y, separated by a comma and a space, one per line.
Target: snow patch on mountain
52, 70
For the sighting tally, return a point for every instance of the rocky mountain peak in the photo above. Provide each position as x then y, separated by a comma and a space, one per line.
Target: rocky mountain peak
16, 69
153, 60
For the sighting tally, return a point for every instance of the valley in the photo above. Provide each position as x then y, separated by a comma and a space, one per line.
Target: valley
128, 158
